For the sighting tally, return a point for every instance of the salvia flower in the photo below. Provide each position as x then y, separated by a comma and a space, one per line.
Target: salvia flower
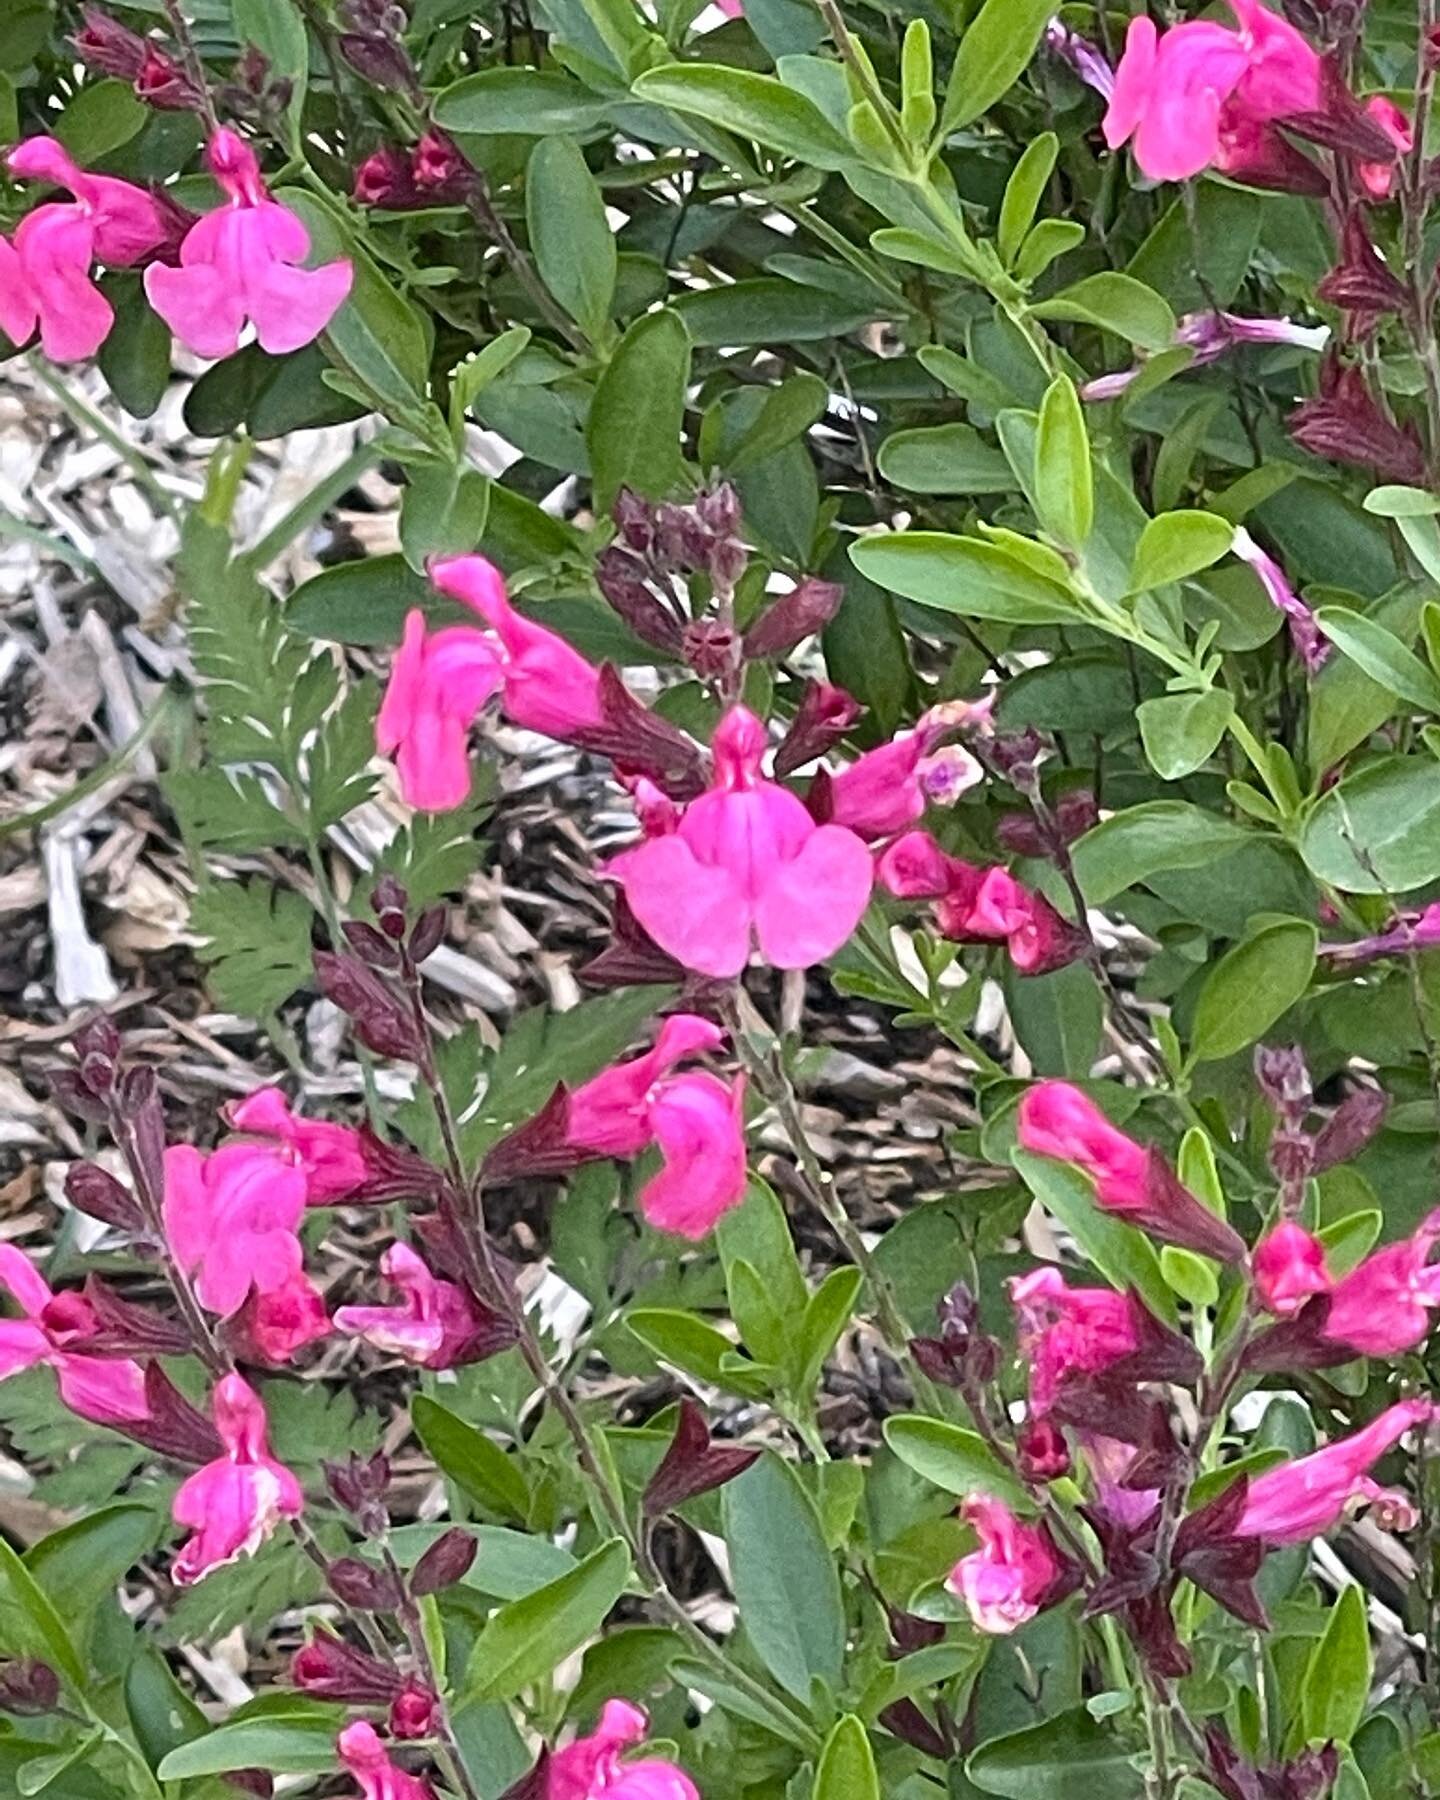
233, 1504
1013, 1573
1310, 645
437, 1326
1208, 335
364, 1756
887, 790
1383, 1306
746, 865
699, 1127
329, 1156
1288, 1267
53, 1330
1411, 931
1065, 1331
45, 273
1083, 57
1301, 1499
1057, 1120
611, 1114
825, 714
592, 1768
330, 1669
241, 263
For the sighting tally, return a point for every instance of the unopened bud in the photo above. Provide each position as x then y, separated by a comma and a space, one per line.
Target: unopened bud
429, 930
93, 1190
360, 1486
412, 1712
634, 520
718, 509
712, 649
364, 1586
107, 46
28, 1687
371, 945
330, 1669
447, 1561
1284, 1079
806, 609
1043, 1453
390, 903
1350, 1127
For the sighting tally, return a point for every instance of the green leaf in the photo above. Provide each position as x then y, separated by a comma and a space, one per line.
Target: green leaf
1251, 987
135, 357
963, 575
299, 1743
1381, 655
825, 1317
767, 309
474, 1462
30, 1624
1051, 238
1178, 544
786, 413
1023, 192
257, 940
682, 1339
1124, 1256
528, 1638
162, 1714
945, 459
443, 513
1058, 1759
1159, 836
1378, 831
1395, 502
1180, 731
638, 412
1336, 1688
1116, 303
570, 236
752, 106
525, 102
277, 29
82, 1564
1064, 484
471, 378
102, 116
994, 53
847, 1764
1192, 1277
951, 1457
784, 1578
365, 602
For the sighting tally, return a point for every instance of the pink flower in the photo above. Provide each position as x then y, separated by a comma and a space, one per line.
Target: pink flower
1110, 1463
233, 1504
1083, 57
271, 1327
1379, 177
1208, 335
1310, 646
699, 1125
611, 1115
438, 683
1383, 1306
1066, 1331
1005, 1582
45, 274
1289, 1266
366, 1758
1301, 1499
888, 789
240, 263
591, 1767
1178, 93
1410, 931
548, 685
231, 1219
1059, 1121
329, 1156
97, 1388
747, 862
435, 1326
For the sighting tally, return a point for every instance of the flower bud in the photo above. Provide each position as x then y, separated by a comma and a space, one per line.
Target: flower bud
107, 46
412, 1712
634, 519
1043, 1453
364, 1586
372, 946
330, 1669
390, 903
718, 509
426, 937
166, 85
693, 1464
1350, 1127
28, 1687
447, 1561
381, 1022
622, 580
825, 714
90, 1189
1284, 1079
712, 649
360, 1486
806, 609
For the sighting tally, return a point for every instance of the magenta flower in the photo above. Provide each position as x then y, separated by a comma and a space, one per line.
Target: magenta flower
379, 1778
45, 275
241, 263
1135, 1183
231, 1219
548, 685
106, 1391
591, 1768
611, 1115
1209, 335
1310, 646
438, 683
329, 1156
699, 1126
233, 1504
1411, 931
747, 863
1009, 1578
1082, 56
1301, 1499
1065, 1331
1289, 1266
438, 1324
271, 1327
1379, 177
1383, 1305
887, 790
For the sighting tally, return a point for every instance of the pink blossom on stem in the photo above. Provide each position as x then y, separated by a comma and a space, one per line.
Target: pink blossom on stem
434, 1327
1064, 1331
1209, 335
1110, 1463
592, 1767
1288, 1267
1378, 178
1383, 1306
548, 685
699, 1125
438, 683
233, 1504
746, 863
1005, 1582
271, 1327
1301, 1499
1310, 646
888, 789
240, 264
1411, 931
1083, 57
329, 1156
106, 1391
611, 1115
363, 1754
45, 274
231, 1218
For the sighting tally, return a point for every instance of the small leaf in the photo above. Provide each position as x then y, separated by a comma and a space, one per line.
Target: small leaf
752, 106
1192, 1277
638, 412
1251, 987
30, 1624
951, 1457
298, 1743
963, 575
1378, 831
474, 1462
1381, 655
994, 53
1178, 544
528, 1638
257, 940
1117, 303
1064, 484
1059, 1759
1180, 731
443, 512
847, 1764
1337, 1680
570, 236
1023, 191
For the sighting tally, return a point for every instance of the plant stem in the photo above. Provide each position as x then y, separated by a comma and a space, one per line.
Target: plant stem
194, 66
413, 1627
487, 216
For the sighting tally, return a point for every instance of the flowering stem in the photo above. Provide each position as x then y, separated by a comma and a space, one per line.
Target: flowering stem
194, 67
413, 1627
487, 216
